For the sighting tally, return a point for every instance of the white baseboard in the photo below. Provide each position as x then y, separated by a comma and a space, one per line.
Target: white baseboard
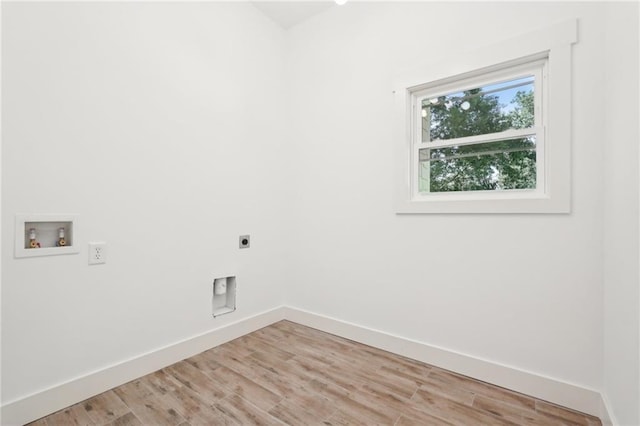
606, 414
39, 404
568, 395
32, 407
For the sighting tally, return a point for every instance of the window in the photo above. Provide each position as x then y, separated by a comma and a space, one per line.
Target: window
494, 138
481, 134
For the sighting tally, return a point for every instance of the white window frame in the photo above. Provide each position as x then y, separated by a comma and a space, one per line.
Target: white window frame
551, 48
535, 67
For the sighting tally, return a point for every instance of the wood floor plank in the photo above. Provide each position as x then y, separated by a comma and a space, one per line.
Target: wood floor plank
416, 375
237, 347
246, 388
271, 334
455, 393
311, 352
39, 422
161, 382
277, 365
392, 361
192, 408
242, 412
280, 385
329, 389
310, 365
510, 412
360, 378
552, 411
72, 416
287, 373
360, 404
339, 418
242, 365
303, 407
355, 356
542, 420
341, 376
369, 407
398, 386
226, 350
418, 418
259, 347
324, 341
105, 408
447, 378
147, 406
454, 412
208, 389
204, 362
128, 419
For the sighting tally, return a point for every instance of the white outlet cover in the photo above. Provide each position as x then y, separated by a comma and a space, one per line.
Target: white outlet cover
97, 253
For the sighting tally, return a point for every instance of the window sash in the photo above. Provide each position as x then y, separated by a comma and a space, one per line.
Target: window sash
533, 67
537, 69
541, 179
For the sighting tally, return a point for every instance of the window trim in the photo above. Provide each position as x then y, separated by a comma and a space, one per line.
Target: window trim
553, 43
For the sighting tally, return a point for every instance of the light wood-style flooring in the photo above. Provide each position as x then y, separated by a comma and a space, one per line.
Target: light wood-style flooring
290, 374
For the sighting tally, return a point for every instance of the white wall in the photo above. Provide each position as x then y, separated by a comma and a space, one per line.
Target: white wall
519, 290
160, 125
621, 296
173, 128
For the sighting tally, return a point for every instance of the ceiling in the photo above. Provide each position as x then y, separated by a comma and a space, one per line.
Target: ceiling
290, 13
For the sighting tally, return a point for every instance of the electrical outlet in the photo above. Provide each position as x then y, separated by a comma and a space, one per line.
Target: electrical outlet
97, 253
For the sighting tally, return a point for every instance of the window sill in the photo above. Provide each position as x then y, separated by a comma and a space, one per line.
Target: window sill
483, 205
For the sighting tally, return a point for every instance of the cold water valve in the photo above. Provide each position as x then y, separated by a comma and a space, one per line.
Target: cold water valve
61, 240
33, 243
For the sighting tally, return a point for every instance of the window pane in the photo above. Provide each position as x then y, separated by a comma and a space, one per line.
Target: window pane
502, 165
488, 109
